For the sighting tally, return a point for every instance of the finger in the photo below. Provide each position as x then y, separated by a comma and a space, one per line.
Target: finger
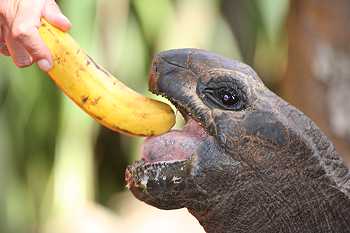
25, 33
19, 54
28, 37
53, 15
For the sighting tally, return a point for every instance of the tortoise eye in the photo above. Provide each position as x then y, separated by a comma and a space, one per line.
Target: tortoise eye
225, 98
228, 98
224, 92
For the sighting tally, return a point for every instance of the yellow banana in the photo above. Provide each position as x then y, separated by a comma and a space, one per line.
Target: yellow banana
100, 94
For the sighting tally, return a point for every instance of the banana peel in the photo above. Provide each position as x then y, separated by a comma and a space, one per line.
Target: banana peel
99, 93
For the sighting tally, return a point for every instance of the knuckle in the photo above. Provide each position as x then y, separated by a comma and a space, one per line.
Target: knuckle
2, 10
23, 63
21, 31
6, 14
37, 54
22, 59
52, 8
52, 4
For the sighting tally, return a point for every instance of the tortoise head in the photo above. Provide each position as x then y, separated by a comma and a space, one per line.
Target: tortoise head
242, 146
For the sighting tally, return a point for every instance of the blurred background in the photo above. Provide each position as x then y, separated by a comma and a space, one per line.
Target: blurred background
61, 172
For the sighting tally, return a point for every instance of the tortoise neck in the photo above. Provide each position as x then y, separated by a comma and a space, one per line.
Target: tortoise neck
322, 149
302, 206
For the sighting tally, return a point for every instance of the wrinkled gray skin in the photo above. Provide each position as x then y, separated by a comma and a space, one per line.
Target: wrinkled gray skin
266, 168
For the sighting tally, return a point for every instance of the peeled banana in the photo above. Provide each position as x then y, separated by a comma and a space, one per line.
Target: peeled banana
97, 92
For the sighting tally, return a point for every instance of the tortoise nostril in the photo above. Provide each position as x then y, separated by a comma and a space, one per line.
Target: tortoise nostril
153, 77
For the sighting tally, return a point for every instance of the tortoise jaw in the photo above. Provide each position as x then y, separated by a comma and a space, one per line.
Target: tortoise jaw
166, 166
156, 183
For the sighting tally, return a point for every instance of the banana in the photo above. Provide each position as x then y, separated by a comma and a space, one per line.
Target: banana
97, 92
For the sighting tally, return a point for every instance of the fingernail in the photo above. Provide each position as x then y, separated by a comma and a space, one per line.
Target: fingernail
66, 19
44, 65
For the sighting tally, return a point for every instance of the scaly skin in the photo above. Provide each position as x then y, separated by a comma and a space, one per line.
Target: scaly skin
100, 94
263, 168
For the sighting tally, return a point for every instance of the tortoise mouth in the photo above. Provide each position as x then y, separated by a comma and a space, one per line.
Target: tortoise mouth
166, 151
174, 145
166, 165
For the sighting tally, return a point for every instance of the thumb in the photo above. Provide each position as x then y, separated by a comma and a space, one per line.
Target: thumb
53, 15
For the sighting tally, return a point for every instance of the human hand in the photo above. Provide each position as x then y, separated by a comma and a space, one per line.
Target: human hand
19, 35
